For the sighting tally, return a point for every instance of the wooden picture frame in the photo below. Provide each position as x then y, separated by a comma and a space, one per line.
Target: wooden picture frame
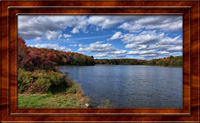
11, 9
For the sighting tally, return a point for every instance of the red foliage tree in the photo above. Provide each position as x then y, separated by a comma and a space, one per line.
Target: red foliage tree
31, 58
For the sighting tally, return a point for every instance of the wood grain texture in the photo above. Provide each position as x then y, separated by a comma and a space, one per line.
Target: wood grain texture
8, 47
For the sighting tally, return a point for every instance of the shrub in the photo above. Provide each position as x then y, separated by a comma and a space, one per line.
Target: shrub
42, 81
42, 85
25, 80
105, 104
58, 81
74, 89
70, 82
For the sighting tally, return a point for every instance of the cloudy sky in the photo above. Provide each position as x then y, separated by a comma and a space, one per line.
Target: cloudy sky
136, 36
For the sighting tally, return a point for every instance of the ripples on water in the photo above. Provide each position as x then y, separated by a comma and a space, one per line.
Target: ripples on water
130, 86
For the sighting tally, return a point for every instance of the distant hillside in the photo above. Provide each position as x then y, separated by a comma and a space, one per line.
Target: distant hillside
176, 61
169, 61
31, 58
120, 61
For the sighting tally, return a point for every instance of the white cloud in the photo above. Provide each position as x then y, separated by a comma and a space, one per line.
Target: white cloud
149, 54
73, 45
59, 36
142, 38
37, 38
169, 23
159, 47
117, 35
168, 40
102, 21
131, 46
136, 46
32, 26
112, 54
53, 35
109, 21
97, 29
81, 45
104, 50
75, 30
120, 52
163, 23
101, 55
67, 36
98, 47
143, 52
52, 46
95, 37
149, 40
130, 27
175, 49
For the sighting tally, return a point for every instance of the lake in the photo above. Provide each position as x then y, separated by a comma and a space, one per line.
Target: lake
130, 86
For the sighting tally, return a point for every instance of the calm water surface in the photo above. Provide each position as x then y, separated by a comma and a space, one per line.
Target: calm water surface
130, 86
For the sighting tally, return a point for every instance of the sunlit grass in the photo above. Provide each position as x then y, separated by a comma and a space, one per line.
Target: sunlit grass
60, 100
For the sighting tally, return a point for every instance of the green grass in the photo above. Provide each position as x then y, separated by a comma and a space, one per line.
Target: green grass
60, 100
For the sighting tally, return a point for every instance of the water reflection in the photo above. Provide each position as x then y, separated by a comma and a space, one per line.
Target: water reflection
130, 86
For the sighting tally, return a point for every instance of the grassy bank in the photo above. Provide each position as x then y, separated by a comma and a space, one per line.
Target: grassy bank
59, 100
49, 89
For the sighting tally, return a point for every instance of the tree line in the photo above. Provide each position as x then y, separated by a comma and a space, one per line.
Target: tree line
176, 61
169, 61
120, 61
31, 58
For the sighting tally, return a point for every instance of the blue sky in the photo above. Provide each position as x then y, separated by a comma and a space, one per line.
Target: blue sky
136, 36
